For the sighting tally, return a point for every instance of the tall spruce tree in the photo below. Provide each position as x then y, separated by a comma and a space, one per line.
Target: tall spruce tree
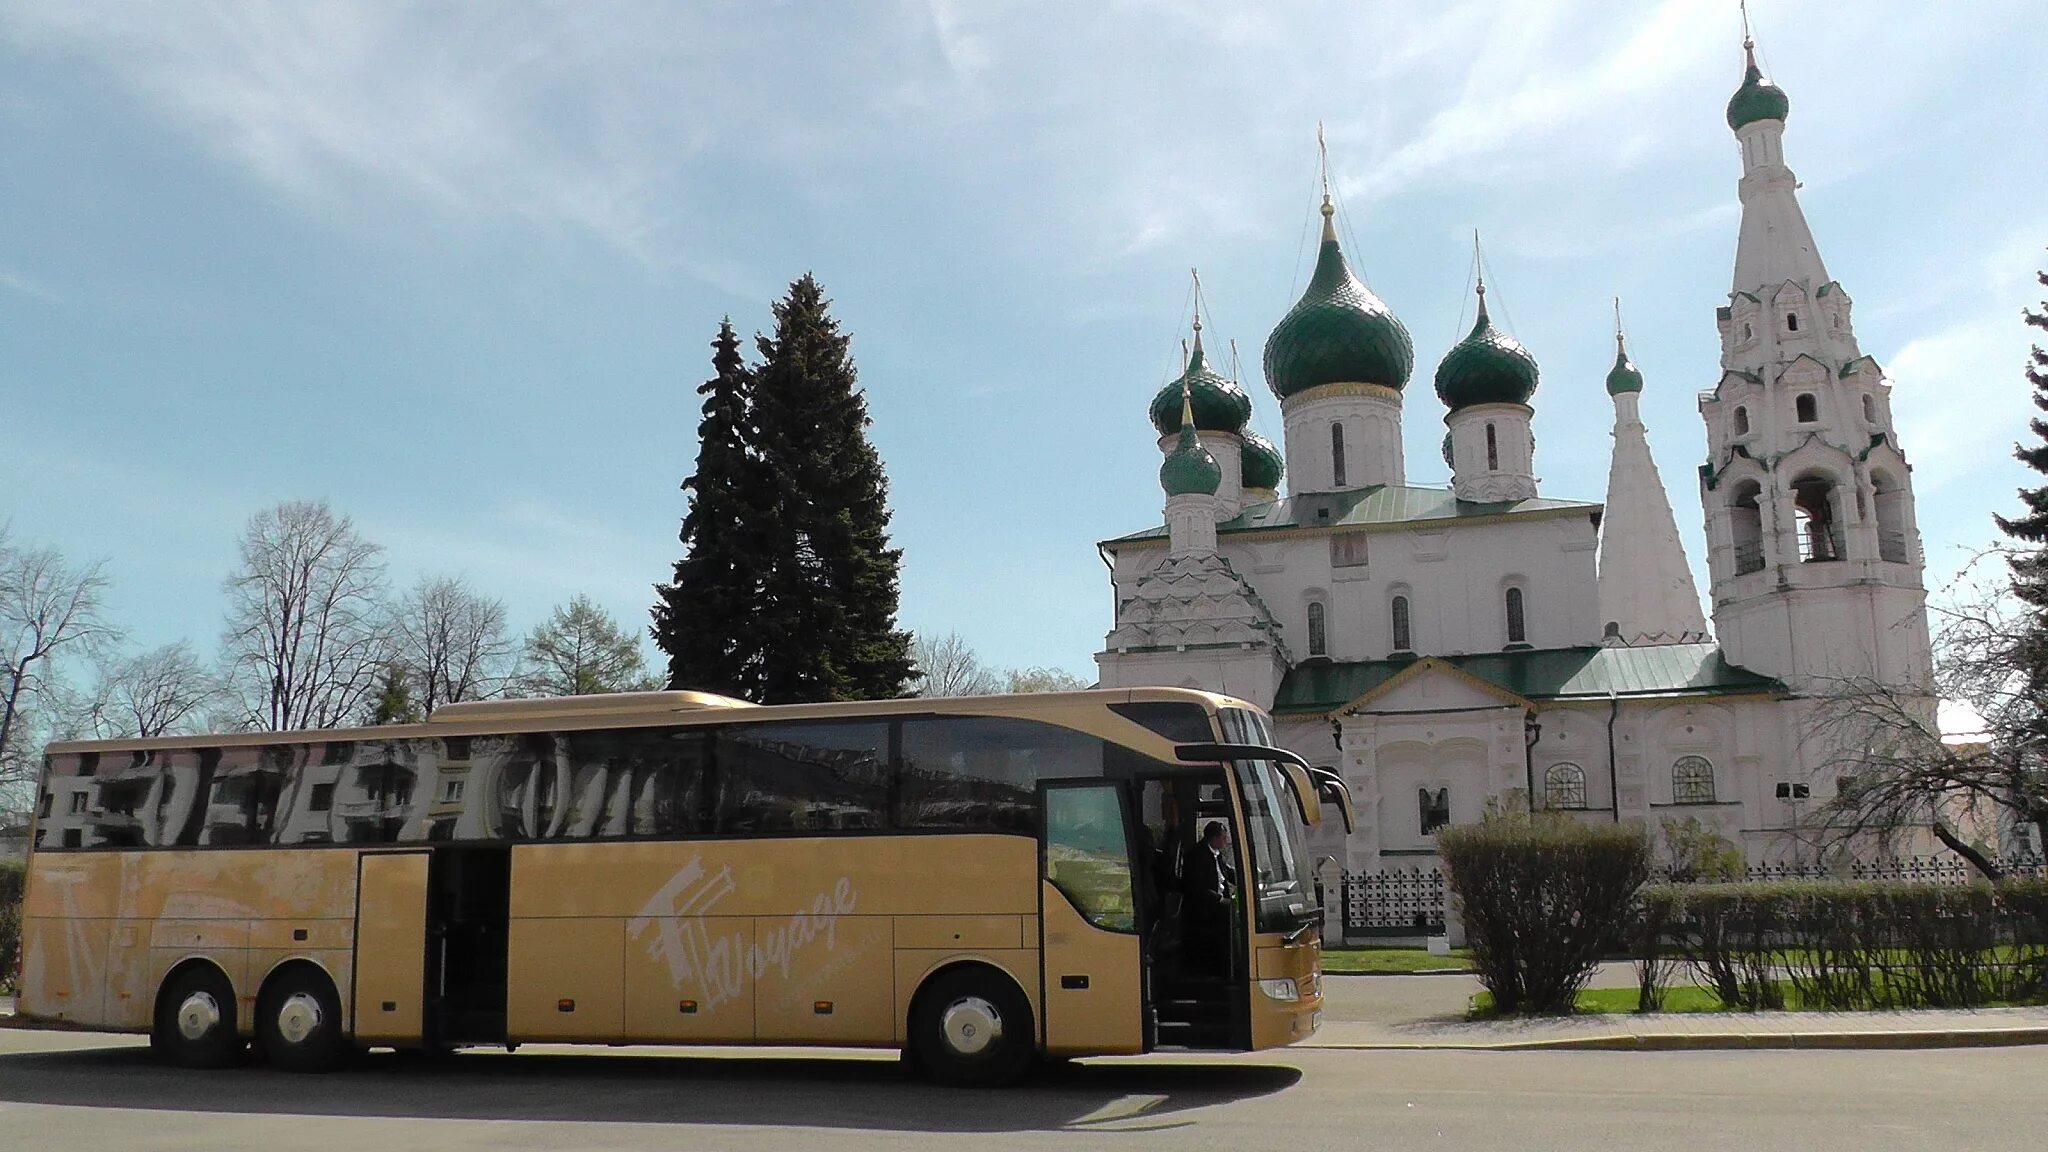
2029, 561
706, 619
827, 610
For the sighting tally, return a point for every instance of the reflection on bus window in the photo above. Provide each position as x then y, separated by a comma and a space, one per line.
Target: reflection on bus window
1087, 854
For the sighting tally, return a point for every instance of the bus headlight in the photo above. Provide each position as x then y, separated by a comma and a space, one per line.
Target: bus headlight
1279, 989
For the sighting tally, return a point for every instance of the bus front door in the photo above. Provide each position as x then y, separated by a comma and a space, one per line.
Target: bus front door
1092, 964
391, 947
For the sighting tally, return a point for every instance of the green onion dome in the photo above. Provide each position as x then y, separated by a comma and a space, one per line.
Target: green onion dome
1758, 98
1338, 332
1189, 469
1219, 404
1486, 367
1623, 377
1262, 464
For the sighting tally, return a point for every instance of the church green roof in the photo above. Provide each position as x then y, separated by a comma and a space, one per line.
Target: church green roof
1338, 332
1383, 506
1262, 463
1219, 404
1487, 367
1623, 377
1757, 99
1189, 469
1540, 674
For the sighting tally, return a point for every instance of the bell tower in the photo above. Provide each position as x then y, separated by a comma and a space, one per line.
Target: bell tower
1813, 548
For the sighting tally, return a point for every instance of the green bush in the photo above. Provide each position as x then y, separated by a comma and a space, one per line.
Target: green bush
1853, 944
1540, 895
12, 880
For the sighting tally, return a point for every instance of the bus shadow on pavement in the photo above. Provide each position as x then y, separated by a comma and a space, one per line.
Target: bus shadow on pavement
824, 1092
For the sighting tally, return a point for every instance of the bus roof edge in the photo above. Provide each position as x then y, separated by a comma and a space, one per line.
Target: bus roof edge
470, 711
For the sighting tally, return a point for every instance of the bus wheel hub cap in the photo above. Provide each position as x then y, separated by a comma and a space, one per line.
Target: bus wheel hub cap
298, 1018
971, 1024
198, 1016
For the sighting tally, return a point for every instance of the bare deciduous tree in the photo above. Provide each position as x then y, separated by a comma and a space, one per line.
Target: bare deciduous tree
165, 690
47, 608
1896, 771
307, 628
1042, 679
946, 666
452, 643
581, 650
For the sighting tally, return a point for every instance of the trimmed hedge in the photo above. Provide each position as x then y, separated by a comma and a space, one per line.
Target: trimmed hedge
1541, 896
1848, 944
13, 878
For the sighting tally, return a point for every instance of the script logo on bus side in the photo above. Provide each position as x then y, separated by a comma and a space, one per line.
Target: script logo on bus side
675, 932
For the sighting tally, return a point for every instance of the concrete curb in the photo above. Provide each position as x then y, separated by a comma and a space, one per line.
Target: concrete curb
1420, 972
1721, 1041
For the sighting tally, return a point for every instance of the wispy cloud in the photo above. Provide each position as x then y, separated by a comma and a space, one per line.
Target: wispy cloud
27, 286
555, 115
1958, 389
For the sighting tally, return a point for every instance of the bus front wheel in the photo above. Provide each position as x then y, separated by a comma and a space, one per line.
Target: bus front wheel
195, 1019
971, 1026
298, 1020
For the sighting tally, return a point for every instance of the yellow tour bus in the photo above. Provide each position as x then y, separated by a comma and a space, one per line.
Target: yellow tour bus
979, 882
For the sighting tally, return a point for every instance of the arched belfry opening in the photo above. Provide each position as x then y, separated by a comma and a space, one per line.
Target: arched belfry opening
1814, 511
1746, 521
1892, 533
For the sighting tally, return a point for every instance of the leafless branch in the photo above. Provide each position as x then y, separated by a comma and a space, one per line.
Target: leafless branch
307, 627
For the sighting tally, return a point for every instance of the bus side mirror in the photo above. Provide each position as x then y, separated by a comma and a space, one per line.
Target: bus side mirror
1331, 787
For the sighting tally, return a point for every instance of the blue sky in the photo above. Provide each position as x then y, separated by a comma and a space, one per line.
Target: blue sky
455, 267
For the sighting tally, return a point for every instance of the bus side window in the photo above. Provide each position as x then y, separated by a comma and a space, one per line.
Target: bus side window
970, 774
641, 782
797, 777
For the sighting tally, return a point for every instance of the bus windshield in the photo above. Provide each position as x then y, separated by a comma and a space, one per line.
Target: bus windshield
1272, 831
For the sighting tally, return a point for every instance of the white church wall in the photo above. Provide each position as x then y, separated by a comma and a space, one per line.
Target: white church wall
1455, 581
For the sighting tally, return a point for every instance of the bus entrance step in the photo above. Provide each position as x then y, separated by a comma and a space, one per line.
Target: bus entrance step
1194, 1012
1186, 1034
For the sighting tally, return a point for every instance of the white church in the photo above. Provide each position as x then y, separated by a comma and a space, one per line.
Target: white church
1442, 648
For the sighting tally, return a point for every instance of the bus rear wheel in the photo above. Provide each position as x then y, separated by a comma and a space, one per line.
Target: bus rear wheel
195, 1020
298, 1021
972, 1027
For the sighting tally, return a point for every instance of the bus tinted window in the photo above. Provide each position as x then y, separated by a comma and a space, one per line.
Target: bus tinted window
802, 777
1179, 722
639, 782
980, 774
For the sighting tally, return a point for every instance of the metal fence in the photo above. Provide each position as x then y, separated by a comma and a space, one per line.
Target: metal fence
1943, 869
1410, 900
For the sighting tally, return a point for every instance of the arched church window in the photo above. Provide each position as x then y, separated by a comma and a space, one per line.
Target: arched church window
1434, 808
1746, 525
1891, 518
1337, 453
1492, 450
1518, 627
1564, 786
1748, 333
1813, 512
1869, 408
1404, 637
1692, 780
1741, 420
1806, 408
1317, 645
1791, 322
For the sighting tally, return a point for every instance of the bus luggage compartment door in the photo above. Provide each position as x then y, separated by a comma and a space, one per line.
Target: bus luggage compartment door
391, 947
1092, 962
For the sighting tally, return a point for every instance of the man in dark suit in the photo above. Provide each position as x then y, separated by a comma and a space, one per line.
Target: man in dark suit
1207, 881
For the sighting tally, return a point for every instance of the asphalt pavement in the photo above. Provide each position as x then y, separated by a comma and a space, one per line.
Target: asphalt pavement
61, 1090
